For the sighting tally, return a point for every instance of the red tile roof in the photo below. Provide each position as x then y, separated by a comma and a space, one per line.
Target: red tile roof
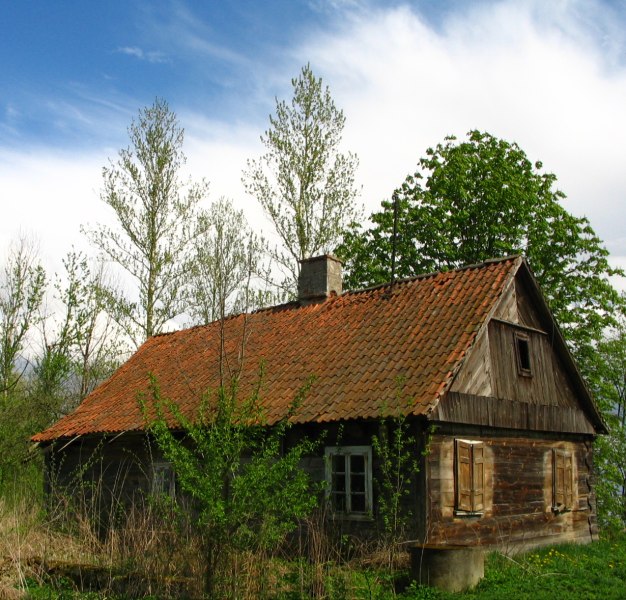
367, 350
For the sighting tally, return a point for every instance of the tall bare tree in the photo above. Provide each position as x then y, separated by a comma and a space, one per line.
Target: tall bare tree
22, 286
79, 345
303, 182
227, 256
156, 221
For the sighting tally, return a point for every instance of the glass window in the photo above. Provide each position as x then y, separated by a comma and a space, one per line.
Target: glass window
349, 478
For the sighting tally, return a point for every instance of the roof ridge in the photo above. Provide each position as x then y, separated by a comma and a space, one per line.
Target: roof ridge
509, 257
294, 304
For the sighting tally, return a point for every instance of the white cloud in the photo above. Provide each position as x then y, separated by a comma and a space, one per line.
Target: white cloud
543, 83
547, 75
150, 56
48, 197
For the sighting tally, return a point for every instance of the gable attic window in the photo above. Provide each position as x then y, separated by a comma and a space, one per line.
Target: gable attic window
469, 477
349, 480
522, 351
562, 480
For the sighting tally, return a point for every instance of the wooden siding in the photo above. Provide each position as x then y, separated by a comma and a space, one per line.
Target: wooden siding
540, 387
475, 375
526, 310
507, 308
510, 414
517, 496
118, 468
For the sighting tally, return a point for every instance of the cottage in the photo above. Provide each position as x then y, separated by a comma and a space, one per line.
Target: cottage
472, 357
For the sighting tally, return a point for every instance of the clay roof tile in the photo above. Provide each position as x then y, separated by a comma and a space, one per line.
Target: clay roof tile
360, 347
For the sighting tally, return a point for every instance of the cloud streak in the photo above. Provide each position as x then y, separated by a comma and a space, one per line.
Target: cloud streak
139, 53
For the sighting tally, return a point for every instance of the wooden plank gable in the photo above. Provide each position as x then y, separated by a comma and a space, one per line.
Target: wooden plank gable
518, 373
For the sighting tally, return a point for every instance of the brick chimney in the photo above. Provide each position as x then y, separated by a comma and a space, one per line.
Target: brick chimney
320, 277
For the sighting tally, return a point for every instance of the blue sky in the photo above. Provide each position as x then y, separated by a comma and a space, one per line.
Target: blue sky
549, 75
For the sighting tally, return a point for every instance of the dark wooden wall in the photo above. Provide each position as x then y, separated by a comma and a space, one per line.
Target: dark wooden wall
99, 474
106, 472
518, 491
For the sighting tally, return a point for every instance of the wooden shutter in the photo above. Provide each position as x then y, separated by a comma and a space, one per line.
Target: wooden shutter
478, 477
464, 475
563, 478
568, 489
470, 476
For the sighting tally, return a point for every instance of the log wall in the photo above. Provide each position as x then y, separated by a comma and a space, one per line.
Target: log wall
518, 512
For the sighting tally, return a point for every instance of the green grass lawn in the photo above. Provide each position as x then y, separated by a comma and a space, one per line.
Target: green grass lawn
566, 572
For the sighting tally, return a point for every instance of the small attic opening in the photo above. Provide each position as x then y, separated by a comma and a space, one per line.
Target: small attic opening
522, 350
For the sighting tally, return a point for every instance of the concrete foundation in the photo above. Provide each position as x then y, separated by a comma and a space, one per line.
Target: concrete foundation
450, 568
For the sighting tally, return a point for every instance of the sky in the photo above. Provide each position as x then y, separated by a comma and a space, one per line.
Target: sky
549, 75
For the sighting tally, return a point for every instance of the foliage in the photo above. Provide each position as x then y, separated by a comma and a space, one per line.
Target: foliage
396, 449
580, 572
594, 571
156, 221
75, 351
481, 198
227, 256
248, 491
22, 287
303, 182
79, 347
610, 384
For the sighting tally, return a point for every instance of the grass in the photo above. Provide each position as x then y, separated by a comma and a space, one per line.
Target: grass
593, 571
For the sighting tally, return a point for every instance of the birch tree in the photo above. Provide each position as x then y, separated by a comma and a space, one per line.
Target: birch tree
304, 183
156, 216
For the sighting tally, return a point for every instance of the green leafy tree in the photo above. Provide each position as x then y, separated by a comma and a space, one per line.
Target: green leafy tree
156, 222
22, 287
610, 386
481, 198
303, 182
247, 491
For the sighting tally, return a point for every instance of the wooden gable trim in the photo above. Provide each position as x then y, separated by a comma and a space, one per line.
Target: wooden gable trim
520, 326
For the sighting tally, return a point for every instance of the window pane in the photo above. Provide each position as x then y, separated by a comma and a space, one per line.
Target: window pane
339, 482
357, 464
339, 463
357, 482
358, 502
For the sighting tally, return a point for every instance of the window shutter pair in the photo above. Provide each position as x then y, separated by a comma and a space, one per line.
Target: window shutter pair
470, 476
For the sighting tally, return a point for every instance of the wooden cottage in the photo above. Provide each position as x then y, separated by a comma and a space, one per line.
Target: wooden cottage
472, 357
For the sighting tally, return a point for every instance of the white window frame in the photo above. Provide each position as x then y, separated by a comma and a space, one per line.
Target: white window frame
163, 477
347, 452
